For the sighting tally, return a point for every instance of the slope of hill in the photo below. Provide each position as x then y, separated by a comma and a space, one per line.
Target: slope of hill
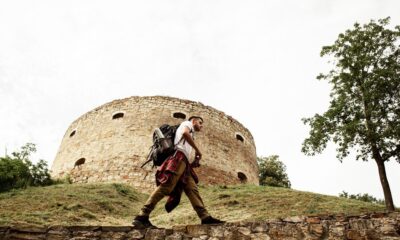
116, 204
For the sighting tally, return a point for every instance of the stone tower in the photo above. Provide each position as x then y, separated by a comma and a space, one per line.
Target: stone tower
110, 143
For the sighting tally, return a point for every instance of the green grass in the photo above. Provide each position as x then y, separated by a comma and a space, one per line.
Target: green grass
116, 204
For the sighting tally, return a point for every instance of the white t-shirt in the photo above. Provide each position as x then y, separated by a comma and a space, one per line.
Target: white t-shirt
180, 143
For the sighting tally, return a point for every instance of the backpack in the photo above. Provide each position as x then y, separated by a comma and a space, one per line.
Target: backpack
162, 148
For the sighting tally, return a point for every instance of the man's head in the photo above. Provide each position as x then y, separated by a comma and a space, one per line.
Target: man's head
197, 123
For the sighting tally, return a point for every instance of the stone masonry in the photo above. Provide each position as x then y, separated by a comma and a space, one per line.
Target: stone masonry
380, 226
109, 143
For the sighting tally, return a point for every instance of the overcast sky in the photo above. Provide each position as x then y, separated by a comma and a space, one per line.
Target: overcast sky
255, 60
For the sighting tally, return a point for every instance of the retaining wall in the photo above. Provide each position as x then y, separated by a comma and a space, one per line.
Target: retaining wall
369, 226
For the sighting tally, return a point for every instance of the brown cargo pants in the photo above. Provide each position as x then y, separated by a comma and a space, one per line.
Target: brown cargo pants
191, 190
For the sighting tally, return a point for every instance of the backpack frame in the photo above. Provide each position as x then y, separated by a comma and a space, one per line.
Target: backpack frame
162, 148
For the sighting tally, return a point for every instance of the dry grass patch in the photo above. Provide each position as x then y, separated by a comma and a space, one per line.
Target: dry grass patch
116, 204
88, 204
249, 202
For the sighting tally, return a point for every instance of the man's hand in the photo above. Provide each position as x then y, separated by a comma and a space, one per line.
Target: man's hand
198, 155
196, 162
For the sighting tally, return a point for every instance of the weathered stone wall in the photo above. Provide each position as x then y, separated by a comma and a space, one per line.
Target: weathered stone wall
371, 226
114, 149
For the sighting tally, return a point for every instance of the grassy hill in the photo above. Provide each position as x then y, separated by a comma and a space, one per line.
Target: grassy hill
116, 204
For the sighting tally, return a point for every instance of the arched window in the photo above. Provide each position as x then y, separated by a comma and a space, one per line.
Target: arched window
72, 133
179, 115
118, 115
239, 137
242, 177
79, 162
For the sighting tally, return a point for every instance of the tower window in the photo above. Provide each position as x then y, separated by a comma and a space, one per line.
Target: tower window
242, 177
239, 137
79, 162
179, 115
118, 115
72, 133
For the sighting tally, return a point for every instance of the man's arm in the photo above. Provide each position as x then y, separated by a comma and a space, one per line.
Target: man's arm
188, 137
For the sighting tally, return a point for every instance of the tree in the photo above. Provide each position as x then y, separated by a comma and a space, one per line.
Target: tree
272, 172
14, 173
364, 111
17, 171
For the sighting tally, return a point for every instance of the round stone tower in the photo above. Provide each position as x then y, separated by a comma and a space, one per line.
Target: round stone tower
111, 142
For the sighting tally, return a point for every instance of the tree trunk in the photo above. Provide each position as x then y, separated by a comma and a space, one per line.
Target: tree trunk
371, 136
385, 185
376, 154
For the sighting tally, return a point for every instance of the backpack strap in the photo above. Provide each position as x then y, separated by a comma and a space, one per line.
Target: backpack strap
148, 157
184, 140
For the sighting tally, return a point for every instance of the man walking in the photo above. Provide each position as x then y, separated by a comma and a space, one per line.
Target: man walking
176, 175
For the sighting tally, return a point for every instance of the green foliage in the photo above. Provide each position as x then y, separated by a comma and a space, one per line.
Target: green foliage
14, 173
362, 197
17, 171
364, 111
272, 172
40, 174
365, 98
66, 180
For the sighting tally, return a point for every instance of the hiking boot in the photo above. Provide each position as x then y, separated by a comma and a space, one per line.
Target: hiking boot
211, 220
142, 222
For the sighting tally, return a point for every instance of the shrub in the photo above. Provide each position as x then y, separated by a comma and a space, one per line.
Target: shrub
17, 170
272, 172
362, 197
